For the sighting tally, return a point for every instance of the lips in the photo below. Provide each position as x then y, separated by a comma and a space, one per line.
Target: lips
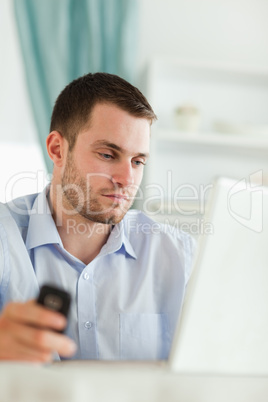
119, 197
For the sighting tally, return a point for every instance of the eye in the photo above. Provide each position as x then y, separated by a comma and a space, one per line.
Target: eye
139, 162
105, 156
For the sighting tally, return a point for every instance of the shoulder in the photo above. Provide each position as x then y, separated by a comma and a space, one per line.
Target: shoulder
14, 215
165, 241
136, 223
20, 208
142, 229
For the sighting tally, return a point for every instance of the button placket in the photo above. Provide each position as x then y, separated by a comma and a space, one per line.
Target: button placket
87, 314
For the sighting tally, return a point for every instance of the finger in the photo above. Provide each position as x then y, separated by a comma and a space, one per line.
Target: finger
12, 346
20, 352
45, 340
21, 340
33, 314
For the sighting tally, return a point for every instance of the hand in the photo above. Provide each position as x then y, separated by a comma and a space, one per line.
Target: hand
27, 333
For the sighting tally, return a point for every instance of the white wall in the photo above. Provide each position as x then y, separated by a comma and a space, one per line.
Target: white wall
229, 31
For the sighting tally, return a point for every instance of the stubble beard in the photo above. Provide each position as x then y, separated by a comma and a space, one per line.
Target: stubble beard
80, 198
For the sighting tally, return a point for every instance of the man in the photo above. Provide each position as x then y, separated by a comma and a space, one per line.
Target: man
126, 274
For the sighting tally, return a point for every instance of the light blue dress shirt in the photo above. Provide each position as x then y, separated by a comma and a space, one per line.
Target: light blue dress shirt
126, 302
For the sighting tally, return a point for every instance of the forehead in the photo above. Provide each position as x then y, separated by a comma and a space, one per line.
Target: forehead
109, 123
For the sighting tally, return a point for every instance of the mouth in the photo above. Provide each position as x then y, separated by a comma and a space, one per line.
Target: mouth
117, 197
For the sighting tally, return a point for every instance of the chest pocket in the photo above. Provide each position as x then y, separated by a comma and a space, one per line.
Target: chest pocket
144, 337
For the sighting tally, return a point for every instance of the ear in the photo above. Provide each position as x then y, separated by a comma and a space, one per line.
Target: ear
56, 148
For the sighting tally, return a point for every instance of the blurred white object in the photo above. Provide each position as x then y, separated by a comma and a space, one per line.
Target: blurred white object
223, 329
187, 118
84, 381
253, 130
26, 382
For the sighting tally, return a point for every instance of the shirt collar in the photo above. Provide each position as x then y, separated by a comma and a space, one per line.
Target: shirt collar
42, 229
117, 240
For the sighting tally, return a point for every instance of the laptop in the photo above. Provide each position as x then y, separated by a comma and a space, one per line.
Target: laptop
224, 323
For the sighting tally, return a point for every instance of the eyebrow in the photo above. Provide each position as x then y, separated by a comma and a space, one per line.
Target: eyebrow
116, 147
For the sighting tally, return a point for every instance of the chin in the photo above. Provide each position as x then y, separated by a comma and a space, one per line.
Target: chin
113, 219
107, 219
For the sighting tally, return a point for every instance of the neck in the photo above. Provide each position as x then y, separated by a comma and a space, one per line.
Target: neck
80, 236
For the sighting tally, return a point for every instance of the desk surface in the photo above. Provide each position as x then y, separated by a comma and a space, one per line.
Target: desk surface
122, 382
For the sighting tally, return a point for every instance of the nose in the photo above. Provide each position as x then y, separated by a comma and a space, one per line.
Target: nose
123, 175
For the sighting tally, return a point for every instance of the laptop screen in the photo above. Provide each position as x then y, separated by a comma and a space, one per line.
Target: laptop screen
224, 322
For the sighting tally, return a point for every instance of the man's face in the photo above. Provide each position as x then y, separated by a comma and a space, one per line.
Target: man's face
104, 170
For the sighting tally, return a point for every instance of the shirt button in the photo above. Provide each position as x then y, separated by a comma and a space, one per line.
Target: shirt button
88, 325
86, 276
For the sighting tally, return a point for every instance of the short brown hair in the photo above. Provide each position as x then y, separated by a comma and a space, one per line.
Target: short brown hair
74, 105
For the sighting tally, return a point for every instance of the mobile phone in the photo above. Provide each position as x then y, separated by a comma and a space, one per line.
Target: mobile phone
55, 299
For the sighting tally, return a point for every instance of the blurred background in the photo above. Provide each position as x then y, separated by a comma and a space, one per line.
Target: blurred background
203, 64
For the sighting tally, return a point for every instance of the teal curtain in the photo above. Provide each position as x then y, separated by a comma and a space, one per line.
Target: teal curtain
64, 39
